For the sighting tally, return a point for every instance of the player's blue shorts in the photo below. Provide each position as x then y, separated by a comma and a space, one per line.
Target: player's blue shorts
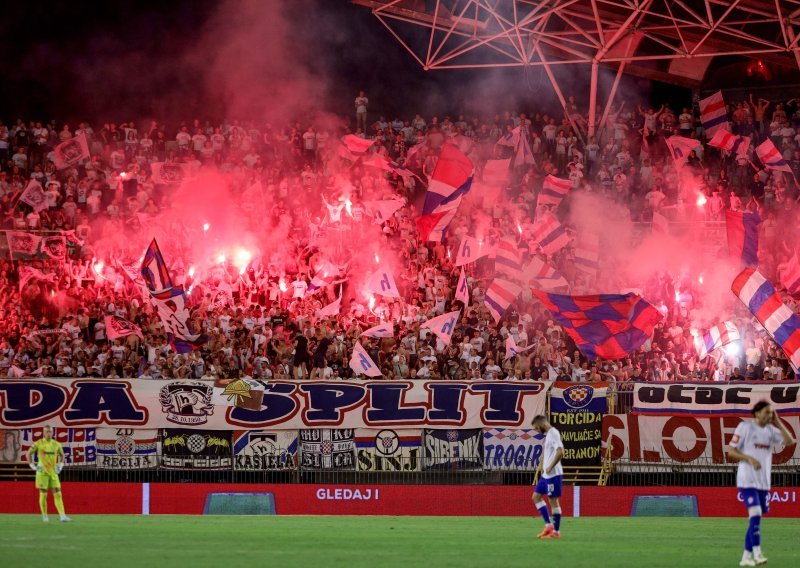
549, 486
755, 497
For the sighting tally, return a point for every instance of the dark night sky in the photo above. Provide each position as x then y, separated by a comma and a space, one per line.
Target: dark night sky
131, 60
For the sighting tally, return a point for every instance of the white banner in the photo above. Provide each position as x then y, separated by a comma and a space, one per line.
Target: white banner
696, 440
507, 449
126, 448
328, 448
709, 399
285, 405
259, 450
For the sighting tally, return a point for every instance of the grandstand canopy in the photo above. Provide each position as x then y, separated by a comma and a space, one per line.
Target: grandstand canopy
673, 41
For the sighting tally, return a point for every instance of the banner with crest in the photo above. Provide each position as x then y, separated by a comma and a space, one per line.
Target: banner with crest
577, 411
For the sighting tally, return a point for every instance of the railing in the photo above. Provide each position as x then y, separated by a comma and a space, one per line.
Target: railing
701, 472
406, 471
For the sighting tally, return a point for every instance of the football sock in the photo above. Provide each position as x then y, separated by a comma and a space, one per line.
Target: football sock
746, 554
59, 503
748, 541
755, 530
556, 518
43, 503
542, 506
757, 551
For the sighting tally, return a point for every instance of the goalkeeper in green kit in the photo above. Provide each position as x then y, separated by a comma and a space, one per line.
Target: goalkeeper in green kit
50, 460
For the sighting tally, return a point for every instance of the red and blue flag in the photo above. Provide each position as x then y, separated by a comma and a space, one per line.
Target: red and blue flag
450, 181
742, 229
154, 270
610, 326
760, 297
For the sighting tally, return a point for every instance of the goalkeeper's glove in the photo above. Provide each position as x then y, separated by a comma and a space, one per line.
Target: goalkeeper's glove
35, 467
59, 467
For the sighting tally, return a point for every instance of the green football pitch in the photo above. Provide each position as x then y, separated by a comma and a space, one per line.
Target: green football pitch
119, 541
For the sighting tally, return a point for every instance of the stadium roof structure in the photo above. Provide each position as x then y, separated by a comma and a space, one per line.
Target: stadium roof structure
673, 41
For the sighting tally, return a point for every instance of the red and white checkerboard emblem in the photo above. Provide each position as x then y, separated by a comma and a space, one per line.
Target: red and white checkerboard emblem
578, 396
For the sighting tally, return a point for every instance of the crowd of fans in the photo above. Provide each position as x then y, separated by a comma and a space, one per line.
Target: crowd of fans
265, 324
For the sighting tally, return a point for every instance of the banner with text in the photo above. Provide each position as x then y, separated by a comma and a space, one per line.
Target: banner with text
328, 448
78, 444
699, 440
388, 450
196, 449
453, 449
126, 448
259, 450
284, 406
577, 412
507, 449
710, 399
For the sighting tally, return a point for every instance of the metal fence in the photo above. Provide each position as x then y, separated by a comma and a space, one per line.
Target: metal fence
405, 471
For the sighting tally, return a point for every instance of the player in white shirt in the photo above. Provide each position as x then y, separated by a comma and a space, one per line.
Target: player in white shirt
752, 446
550, 482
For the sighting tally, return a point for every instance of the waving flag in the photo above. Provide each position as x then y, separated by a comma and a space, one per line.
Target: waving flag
34, 196
378, 161
496, 172
713, 114
545, 276
362, 363
462, 290
511, 138
771, 157
316, 284
469, 250
433, 227
382, 282
499, 296
760, 297
28, 273
171, 307
554, 190
71, 151
331, 309
523, 155
680, 148
742, 229
382, 330
117, 327
660, 224
730, 142
170, 173
154, 270
20, 242
549, 234
512, 349
587, 253
508, 260
610, 326
450, 181
443, 325
716, 337
381, 211
357, 145
790, 277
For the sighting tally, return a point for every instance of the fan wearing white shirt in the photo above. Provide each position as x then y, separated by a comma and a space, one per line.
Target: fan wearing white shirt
752, 445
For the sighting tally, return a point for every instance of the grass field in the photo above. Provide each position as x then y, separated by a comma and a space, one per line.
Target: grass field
119, 541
